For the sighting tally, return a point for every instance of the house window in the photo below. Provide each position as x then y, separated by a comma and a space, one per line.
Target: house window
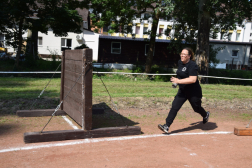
250, 34
66, 44
137, 30
238, 36
238, 33
235, 53
145, 31
161, 29
147, 49
115, 48
40, 41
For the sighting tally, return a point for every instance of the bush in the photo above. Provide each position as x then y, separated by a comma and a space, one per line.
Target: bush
230, 74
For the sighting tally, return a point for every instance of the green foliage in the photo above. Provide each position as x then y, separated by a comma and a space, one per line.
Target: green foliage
118, 16
202, 19
30, 65
230, 74
60, 16
54, 55
29, 61
7, 65
225, 15
138, 69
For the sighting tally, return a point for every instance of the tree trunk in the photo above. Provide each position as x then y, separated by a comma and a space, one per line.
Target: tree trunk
202, 51
152, 42
20, 42
32, 44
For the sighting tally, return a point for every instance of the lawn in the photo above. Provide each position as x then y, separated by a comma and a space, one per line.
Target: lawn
30, 88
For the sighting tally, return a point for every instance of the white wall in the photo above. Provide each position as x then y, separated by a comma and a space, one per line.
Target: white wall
225, 55
51, 43
248, 31
91, 39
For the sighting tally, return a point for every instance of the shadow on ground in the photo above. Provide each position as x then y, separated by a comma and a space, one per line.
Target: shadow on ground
7, 128
110, 118
197, 125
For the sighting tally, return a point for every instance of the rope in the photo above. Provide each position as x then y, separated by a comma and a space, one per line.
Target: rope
112, 100
44, 87
122, 73
248, 124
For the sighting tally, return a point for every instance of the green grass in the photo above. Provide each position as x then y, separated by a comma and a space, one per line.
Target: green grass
14, 87
11, 88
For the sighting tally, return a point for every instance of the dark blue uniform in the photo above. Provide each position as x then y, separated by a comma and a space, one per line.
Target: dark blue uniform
191, 92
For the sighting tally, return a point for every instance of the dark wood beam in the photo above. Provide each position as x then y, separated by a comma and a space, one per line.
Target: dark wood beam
61, 135
49, 112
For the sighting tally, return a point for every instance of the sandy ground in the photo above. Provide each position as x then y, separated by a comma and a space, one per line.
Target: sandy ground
189, 144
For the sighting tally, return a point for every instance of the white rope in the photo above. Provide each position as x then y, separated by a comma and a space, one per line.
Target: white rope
123, 73
223, 77
34, 72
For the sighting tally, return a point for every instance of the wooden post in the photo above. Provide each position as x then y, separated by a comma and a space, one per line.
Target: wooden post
243, 131
87, 89
62, 79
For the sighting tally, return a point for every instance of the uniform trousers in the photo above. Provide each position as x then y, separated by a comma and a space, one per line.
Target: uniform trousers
179, 100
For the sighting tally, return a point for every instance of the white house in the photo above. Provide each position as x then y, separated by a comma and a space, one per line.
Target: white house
238, 42
49, 44
237, 54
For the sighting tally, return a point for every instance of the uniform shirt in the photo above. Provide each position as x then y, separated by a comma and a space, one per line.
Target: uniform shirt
184, 71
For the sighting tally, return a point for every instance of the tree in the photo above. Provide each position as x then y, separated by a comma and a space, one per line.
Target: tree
119, 15
204, 18
19, 16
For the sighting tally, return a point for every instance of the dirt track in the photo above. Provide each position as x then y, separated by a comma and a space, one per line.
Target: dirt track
186, 146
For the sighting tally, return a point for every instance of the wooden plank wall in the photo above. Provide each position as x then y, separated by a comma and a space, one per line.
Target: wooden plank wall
78, 103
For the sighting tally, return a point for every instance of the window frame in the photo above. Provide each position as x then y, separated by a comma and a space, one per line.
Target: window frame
66, 42
137, 29
233, 56
238, 37
41, 41
112, 48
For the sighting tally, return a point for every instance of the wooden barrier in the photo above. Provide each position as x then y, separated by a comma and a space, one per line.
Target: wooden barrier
49, 112
77, 103
243, 131
33, 137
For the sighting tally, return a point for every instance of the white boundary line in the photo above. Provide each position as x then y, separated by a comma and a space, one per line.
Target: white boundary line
70, 122
85, 141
